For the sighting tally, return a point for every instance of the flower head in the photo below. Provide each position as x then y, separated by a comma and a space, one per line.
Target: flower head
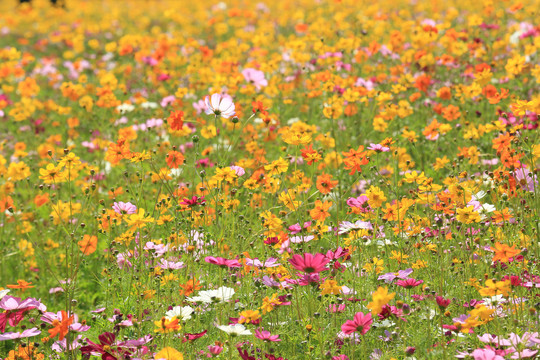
219, 105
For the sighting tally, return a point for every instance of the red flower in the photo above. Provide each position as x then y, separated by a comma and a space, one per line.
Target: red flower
193, 337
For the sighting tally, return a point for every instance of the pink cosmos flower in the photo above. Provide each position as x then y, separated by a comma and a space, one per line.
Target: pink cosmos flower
199, 106
360, 202
167, 100
256, 77
122, 208
14, 303
219, 105
19, 335
361, 323
401, 274
238, 170
215, 349
378, 147
309, 263
485, 354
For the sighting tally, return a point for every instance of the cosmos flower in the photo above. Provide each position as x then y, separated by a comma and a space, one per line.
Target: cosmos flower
255, 77
234, 330
222, 294
266, 335
180, 312
219, 105
361, 323
309, 263
19, 335
401, 274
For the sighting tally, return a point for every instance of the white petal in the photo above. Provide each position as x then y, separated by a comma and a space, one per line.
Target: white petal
215, 101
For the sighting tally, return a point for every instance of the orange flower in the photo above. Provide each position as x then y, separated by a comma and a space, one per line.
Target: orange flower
6, 203
320, 212
325, 184
422, 82
354, 159
189, 287
503, 252
88, 244
502, 216
21, 284
41, 200
166, 326
444, 93
117, 152
176, 120
451, 113
113, 193
175, 159
502, 142
310, 155
61, 327
301, 28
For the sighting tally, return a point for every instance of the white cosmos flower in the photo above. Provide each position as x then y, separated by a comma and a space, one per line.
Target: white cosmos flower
149, 105
234, 330
179, 312
124, 108
347, 226
223, 294
220, 105
3, 293
488, 208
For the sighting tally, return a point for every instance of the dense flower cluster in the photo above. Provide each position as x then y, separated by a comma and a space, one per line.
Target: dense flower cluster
333, 179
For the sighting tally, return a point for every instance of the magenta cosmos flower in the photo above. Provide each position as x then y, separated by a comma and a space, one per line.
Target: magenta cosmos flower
409, 283
266, 336
219, 105
222, 262
309, 263
361, 323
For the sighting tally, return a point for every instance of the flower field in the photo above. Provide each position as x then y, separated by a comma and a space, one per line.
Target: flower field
269, 180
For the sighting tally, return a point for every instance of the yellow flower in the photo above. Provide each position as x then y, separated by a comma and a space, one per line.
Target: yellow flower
168, 278
70, 161
169, 353
138, 220
208, 132
18, 171
52, 174
225, 174
269, 303
440, 163
330, 287
381, 297
399, 256
277, 167
468, 215
248, 316
496, 288
296, 137
375, 197
515, 65
375, 265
